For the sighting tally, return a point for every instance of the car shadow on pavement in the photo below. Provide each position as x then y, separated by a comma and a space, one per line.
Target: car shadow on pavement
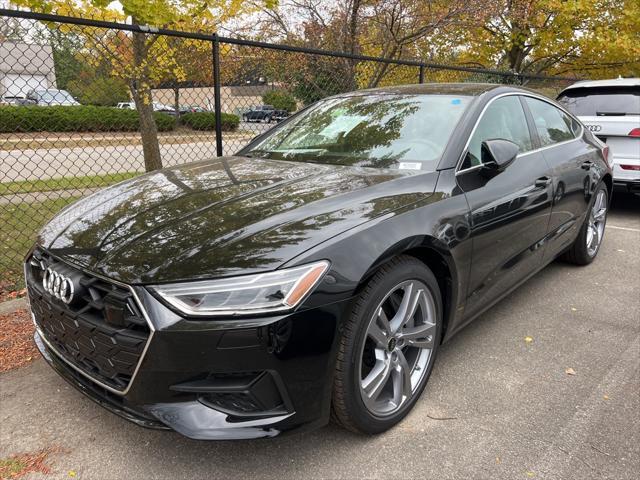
625, 203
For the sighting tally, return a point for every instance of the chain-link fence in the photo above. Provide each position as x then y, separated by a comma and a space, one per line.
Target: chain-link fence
85, 104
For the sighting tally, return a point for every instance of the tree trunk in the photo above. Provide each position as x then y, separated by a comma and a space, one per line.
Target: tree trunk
516, 53
350, 40
141, 92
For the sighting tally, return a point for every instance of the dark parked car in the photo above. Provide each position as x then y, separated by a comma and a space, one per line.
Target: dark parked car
321, 267
191, 109
264, 113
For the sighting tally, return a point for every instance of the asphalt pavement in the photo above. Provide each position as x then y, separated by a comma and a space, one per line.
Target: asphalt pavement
45, 163
496, 406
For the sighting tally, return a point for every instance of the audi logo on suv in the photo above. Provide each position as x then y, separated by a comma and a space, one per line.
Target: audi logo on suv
594, 128
58, 285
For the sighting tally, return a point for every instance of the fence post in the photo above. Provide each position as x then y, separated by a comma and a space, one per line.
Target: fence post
216, 92
421, 75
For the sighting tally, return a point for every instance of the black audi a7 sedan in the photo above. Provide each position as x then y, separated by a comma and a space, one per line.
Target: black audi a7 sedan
319, 269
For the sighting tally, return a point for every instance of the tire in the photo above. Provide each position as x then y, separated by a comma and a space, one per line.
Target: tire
582, 252
358, 403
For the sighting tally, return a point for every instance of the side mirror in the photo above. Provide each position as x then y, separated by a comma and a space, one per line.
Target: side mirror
497, 154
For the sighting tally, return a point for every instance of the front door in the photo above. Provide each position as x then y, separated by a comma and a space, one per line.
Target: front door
509, 210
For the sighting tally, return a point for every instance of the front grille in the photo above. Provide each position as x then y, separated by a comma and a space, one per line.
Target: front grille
102, 331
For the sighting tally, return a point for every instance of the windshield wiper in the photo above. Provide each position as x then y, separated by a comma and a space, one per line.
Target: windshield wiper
256, 153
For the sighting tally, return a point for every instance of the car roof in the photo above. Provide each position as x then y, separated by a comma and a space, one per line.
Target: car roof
470, 89
613, 82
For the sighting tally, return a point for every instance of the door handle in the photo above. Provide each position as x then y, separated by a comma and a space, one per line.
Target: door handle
542, 182
587, 165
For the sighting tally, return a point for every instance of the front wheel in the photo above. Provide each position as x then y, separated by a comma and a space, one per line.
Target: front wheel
388, 347
587, 244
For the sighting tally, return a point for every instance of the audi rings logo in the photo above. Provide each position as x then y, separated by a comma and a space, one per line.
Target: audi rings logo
58, 285
594, 128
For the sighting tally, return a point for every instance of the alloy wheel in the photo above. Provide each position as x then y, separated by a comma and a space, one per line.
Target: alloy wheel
596, 222
398, 345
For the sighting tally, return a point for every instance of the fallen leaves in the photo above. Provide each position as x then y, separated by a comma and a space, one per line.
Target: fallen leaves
570, 371
9, 290
22, 464
16, 340
16, 294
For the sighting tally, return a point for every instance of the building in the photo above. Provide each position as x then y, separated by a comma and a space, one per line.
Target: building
24, 67
233, 99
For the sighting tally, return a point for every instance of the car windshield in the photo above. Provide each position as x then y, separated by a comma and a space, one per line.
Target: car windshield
55, 96
602, 101
381, 131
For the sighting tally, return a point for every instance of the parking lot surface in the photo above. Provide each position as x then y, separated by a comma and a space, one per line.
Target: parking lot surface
497, 405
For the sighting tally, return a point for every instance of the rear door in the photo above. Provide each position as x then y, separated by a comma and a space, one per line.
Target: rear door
510, 210
572, 161
613, 114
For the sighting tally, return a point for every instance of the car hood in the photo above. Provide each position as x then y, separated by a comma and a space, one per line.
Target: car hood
223, 217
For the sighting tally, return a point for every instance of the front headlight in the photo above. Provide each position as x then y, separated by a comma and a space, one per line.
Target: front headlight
245, 295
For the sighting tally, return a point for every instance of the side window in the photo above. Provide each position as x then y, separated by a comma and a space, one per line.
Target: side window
552, 124
504, 118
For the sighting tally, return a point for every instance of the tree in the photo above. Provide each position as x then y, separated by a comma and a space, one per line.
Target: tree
280, 99
391, 29
140, 58
98, 90
555, 37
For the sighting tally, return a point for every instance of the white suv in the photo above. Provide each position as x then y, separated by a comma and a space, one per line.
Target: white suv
611, 110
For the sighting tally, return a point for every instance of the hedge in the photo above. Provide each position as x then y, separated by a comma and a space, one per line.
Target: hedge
75, 119
207, 121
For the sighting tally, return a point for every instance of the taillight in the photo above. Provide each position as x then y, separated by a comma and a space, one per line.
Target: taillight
605, 154
634, 133
630, 167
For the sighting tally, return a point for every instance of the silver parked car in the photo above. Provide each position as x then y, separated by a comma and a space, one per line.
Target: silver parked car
611, 110
51, 96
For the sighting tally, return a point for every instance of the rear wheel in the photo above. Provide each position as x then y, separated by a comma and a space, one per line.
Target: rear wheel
388, 347
587, 244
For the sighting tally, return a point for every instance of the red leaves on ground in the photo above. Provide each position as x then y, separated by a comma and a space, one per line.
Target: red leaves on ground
17, 347
22, 464
8, 290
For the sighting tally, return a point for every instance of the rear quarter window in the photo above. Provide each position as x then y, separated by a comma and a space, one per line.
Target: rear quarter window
552, 124
602, 101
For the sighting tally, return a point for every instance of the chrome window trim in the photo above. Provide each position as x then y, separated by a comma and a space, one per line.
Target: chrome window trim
78, 369
523, 154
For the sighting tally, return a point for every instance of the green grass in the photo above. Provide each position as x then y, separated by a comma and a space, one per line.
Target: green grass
65, 183
19, 225
12, 467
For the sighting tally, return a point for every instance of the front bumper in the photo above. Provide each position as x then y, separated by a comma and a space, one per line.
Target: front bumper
215, 380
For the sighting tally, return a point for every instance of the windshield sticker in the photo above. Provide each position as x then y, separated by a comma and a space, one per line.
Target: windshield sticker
456, 101
410, 166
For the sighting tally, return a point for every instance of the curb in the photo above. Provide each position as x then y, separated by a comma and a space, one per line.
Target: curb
13, 305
